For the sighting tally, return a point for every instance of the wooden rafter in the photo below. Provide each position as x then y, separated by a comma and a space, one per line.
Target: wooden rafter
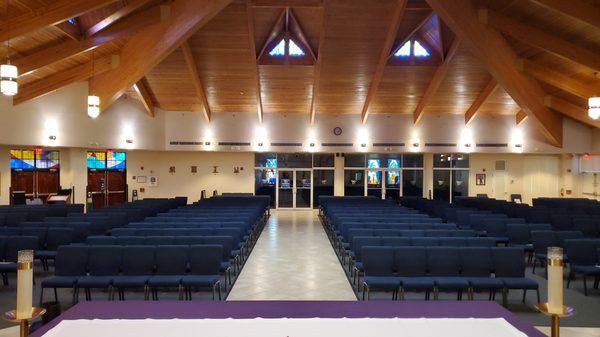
570, 110
199, 88
383, 57
252, 51
143, 89
72, 30
485, 93
436, 81
66, 49
57, 11
409, 35
63, 78
541, 39
498, 57
580, 10
559, 80
131, 7
520, 117
287, 3
318, 65
275, 34
152, 44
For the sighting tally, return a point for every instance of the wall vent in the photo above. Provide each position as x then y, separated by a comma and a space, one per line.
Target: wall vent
500, 165
286, 144
440, 144
387, 144
184, 143
492, 145
338, 144
234, 144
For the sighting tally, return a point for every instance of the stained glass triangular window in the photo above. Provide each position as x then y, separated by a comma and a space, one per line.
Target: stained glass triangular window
419, 50
295, 50
404, 51
279, 49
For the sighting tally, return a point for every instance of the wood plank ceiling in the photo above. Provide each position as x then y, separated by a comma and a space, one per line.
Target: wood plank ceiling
211, 66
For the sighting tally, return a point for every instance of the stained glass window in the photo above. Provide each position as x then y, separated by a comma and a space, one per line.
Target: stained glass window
295, 50
46, 159
116, 160
279, 49
404, 51
96, 160
412, 48
22, 159
419, 50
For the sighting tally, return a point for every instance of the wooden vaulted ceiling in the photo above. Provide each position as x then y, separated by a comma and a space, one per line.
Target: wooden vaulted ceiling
527, 58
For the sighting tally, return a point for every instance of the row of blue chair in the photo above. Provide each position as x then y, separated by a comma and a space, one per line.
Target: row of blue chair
431, 269
543, 239
9, 248
584, 260
133, 267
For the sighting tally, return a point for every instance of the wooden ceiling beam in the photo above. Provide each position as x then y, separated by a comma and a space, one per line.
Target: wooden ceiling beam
580, 10
143, 90
63, 78
318, 66
63, 50
193, 68
521, 117
72, 30
570, 110
57, 11
252, 54
498, 57
287, 3
383, 57
152, 44
540, 39
131, 7
559, 80
485, 93
436, 81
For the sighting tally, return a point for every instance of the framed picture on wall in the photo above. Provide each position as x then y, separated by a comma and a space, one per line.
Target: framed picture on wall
141, 179
480, 179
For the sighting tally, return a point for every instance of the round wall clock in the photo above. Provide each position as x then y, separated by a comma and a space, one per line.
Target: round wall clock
337, 131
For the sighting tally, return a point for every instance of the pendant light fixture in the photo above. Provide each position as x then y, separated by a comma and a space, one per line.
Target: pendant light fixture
93, 101
594, 107
8, 72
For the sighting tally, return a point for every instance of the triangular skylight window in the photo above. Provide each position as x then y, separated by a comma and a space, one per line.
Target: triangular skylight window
279, 49
412, 48
295, 50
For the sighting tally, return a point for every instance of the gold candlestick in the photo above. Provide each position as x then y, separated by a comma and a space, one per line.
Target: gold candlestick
555, 328
11, 316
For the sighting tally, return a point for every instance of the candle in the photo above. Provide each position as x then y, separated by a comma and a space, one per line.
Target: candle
555, 280
24, 284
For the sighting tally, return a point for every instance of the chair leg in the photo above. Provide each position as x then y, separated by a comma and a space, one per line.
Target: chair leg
55, 295
537, 291
585, 285
569, 278
41, 296
504, 297
435, 293
146, 292
534, 264
180, 289
524, 294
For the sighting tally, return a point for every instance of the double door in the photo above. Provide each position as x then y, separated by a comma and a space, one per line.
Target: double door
36, 184
107, 187
384, 184
294, 189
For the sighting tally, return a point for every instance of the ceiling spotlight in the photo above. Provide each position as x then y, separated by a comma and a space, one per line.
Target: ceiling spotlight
415, 144
260, 144
207, 143
312, 144
363, 145
52, 137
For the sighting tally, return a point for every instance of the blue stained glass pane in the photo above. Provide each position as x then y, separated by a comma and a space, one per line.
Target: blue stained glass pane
420, 51
295, 50
279, 49
271, 163
393, 177
374, 163
22, 159
48, 159
393, 163
404, 51
116, 160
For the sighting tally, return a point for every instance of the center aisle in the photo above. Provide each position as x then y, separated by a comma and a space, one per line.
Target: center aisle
292, 260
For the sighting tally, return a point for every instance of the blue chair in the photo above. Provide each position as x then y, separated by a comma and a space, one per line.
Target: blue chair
171, 264
378, 264
509, 266
158, 240
137, 266
98, 240
477, 264
130, 240
13, 245
70, 264
444, 267
205, 262
54, 238
411, 267
103, 265
583, 259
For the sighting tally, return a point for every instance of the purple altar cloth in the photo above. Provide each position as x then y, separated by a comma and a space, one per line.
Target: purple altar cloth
291, 309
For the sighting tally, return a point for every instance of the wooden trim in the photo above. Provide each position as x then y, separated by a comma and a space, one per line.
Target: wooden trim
578, 9
490, 47
570, 110
143, 89
486, 92
521, 117
131, 7
318, 66
153, 43
541, 39
191, 63
250, 19
383, 57
436, 81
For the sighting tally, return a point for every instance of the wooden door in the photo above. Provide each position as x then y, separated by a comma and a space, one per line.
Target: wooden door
23, 181
117, 187
97, 187
47, 182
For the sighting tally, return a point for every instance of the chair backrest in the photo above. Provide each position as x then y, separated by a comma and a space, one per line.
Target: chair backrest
410, 261
138, 260
378, 261
57, 237
395, 241
176, 231
205, 259
518, 234
104, 260
130, 240
453, 242
561, 236
158, 240
39, 232
476, 261
539, 227
171, 260
362, 241
226, 242
200, 231
585, 225
425, 241
509, 261
582, 252
123, 232
71, 260
188, 240
443, 261
17, 243
481, 242
542, 240
98, 240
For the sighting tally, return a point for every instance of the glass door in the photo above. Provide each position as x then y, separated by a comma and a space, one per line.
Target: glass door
285, 189
392, 185
303, 188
